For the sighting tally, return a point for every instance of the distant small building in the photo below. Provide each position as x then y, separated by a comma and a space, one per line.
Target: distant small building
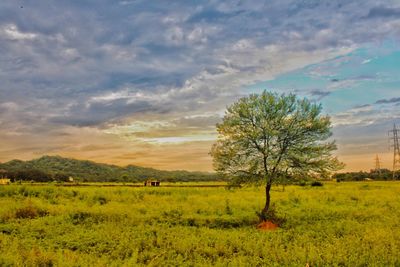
70, 179
368, 179
151, 183
4, 181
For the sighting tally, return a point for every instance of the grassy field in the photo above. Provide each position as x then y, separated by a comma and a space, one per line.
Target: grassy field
339, 224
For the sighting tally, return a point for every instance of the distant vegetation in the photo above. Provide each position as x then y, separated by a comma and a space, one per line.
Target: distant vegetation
381, 175
55, 168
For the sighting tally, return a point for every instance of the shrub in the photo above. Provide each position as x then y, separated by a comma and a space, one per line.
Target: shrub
29, 212
302, 183
101, 200
173, 215
271, 216
39, 257
228, 209
79, 217
317, 183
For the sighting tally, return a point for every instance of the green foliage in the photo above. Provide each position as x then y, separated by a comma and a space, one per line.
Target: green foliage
378, 175
340, 224
317, 183
302, 183
270, 137
99, 199
228, 209
32, 174
271, 215
55, 168
29, 212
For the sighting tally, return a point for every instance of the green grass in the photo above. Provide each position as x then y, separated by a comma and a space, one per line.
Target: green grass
338, 224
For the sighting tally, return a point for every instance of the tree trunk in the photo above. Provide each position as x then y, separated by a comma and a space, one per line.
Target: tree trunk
264, 212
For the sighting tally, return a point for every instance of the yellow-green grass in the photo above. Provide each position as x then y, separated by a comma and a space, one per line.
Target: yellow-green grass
339, 224
129, 184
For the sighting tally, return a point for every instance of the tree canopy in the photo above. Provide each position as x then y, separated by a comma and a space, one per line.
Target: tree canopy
267, 137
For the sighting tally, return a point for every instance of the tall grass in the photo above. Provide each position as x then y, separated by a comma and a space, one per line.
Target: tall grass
338, 224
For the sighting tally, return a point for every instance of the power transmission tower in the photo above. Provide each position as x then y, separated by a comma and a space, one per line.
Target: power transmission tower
377, 164
394, 140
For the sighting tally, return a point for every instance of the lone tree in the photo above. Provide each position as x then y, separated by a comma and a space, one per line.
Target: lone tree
268, 137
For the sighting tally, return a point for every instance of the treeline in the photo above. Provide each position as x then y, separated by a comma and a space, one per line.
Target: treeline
35, 175
379, 175
56, 168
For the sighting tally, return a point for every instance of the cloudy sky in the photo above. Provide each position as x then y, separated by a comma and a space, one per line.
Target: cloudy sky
144, 82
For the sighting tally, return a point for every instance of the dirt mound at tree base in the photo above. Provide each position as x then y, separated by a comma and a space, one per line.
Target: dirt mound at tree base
267, 226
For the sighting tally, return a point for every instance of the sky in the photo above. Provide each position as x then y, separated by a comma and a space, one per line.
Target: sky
145, 82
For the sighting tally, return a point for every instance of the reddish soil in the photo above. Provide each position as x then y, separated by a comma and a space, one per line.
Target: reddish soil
267, 226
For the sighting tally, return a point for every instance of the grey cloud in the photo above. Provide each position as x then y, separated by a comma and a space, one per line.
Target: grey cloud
98, 113
355, 137
363, 106
383, 11
72, 51
388, 101
319, 94
366, 77
367, 114
212, 15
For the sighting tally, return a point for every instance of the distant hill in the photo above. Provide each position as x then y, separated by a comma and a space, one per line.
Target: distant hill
89, 171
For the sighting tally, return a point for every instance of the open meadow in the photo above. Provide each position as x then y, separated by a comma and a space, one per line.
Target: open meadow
338, 224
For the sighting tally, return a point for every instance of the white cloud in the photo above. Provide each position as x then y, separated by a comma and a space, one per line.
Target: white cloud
178, 140
366, 115
12, 32
117, 61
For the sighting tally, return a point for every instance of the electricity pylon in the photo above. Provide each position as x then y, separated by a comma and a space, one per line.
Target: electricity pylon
377, 164
394, 140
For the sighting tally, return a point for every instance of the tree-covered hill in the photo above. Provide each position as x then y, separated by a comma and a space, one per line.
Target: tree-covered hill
59, 168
